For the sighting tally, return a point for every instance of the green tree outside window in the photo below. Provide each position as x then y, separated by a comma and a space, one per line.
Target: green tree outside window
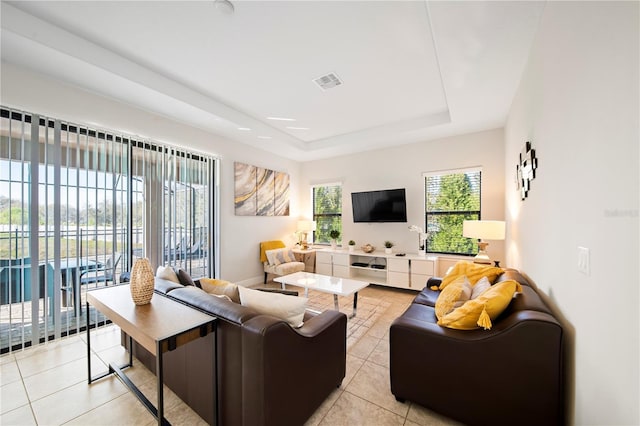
451, 198
327, 211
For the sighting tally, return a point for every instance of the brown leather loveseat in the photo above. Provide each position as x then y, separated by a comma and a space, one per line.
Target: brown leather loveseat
512, 374
268, 372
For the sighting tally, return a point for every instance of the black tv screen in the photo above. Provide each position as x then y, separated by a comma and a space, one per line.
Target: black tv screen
379, 206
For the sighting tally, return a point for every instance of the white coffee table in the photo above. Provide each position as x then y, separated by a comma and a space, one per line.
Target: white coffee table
326, 284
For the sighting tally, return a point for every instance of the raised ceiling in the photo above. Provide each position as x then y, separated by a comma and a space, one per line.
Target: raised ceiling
410, 70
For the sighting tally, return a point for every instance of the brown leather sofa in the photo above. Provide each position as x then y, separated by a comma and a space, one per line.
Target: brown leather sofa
268, 372
512, 374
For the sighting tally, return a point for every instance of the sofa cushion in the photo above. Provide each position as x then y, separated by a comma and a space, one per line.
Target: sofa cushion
167, 273
288, 308
485, 308
279, 256
472, 271
480, 287
185, 278
453, 296
220, 287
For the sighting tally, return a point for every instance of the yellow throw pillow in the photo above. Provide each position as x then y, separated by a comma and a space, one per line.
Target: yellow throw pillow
218, 287
472, 271
485, 308
454, 296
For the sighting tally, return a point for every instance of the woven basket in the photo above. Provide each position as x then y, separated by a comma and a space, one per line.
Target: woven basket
142, 281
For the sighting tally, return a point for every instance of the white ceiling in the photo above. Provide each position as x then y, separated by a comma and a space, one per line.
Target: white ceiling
411, 70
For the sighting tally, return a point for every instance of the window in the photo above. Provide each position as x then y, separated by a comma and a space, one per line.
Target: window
327, 211
450, 198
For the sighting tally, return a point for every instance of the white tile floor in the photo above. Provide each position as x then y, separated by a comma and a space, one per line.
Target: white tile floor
47, 385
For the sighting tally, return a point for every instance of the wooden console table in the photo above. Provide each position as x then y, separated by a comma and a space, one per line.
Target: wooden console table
159, 327
308, 257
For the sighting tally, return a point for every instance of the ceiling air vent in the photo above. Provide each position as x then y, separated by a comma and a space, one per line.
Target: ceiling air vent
328, 81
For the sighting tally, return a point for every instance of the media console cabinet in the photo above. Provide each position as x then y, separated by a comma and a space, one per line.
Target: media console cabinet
410, 271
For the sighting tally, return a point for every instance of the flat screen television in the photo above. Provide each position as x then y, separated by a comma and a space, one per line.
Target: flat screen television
388, 205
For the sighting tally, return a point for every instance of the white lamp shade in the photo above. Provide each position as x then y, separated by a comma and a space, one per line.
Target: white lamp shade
306, 225
484, 229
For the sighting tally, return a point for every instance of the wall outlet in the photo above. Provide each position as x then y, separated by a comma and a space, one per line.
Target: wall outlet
583, 260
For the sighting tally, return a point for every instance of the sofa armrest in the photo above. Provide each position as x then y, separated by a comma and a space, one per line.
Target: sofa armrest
434, 281
272, 354
163, 286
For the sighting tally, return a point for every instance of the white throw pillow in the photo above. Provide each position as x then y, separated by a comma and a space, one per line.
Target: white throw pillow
278, 256
480, 287
167, 273
288, 308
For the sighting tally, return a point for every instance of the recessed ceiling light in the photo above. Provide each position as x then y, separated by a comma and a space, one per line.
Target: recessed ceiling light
281, 119
265, 137
244, 129
297, 128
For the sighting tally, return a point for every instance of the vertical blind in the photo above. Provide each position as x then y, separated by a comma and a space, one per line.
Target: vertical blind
78, 206
450, 198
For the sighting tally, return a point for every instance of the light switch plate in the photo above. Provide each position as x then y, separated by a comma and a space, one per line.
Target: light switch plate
583, 260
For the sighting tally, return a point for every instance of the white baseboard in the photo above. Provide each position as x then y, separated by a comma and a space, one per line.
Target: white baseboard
251, 282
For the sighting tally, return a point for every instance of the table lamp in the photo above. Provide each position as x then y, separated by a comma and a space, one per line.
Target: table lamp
483, 230
304, 227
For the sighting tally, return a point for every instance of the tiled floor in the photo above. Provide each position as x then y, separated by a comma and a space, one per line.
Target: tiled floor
46, 385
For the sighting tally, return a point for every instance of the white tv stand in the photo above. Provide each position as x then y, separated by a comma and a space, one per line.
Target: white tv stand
410, 271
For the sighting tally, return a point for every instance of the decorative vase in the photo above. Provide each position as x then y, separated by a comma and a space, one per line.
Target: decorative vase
141, 282
352, 249
333, 244
388, 250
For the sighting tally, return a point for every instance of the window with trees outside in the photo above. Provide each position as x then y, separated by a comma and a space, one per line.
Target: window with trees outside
327, 211
450, 198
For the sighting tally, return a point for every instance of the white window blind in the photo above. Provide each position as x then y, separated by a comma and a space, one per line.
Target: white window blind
77, 207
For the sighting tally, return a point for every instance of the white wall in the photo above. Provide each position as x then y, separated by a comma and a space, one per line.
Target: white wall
402, 167
240, 235
578, 105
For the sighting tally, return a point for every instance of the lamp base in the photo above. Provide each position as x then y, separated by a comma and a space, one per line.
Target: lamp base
482, 257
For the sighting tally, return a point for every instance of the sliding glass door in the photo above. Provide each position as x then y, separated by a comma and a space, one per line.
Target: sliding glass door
77, 207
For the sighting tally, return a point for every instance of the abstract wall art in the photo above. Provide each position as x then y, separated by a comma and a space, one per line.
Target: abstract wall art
260, 191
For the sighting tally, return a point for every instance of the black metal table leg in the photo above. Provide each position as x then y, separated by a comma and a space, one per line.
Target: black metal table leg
159, 377
88, 345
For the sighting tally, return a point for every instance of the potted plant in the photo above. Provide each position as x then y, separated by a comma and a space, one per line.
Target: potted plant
352, 246
334, 234
387, 247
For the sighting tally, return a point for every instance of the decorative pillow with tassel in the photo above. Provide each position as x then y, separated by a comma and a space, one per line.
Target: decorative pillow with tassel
472, 271
479, 312
452, 297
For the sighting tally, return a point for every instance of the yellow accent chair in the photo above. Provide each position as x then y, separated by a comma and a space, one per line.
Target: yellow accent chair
281, 262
